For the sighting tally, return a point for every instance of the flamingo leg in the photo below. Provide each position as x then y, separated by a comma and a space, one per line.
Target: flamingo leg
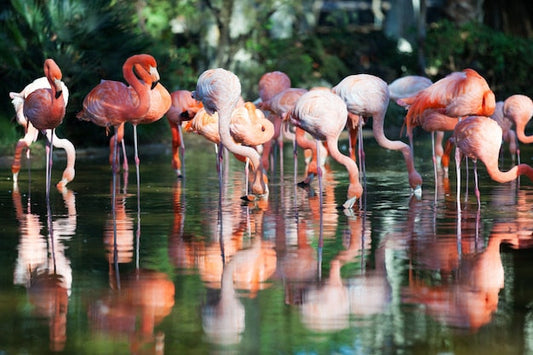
361, 151
478, 195
137, 161
49, 162
458, 174
181, 172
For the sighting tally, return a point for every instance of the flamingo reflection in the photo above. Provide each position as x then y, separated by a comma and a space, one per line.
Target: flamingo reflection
466, 296
330, 306
42, 266
132, 313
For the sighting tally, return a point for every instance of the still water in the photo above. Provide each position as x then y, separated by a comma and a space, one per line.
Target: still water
195, 270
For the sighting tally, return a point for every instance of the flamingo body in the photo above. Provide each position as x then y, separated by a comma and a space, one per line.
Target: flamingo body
368, 96
479, 138
323, 115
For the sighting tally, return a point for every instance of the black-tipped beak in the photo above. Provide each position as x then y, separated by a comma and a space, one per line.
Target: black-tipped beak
58, 93
154, 84
184, 114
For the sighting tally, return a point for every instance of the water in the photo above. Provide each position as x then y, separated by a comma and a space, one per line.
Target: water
199, 272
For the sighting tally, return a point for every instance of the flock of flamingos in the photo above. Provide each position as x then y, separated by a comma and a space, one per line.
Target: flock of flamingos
461, 102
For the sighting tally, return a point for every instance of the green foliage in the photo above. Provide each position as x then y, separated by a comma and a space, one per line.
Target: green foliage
504, 60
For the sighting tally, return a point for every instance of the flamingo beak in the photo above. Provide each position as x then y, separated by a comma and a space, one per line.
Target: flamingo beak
155, 75
59, 88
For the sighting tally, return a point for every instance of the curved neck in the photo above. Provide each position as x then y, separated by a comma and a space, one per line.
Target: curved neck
505, 176
379, 135
140, 88
351, 166
520, 132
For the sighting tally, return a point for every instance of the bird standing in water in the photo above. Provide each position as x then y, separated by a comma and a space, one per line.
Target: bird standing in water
480, 138
220, 90
323, 115
367, 95
31, 132
45, 109
183, 108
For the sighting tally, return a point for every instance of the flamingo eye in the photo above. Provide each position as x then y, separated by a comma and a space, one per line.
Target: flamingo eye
263, 128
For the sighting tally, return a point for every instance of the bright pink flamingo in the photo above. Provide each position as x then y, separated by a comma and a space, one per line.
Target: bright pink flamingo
480, 138
183, 108
31, 133
323, 114
368, 96
111, 103
220, 90
45, 108
160, 103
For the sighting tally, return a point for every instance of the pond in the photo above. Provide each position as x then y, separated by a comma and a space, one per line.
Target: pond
197, 270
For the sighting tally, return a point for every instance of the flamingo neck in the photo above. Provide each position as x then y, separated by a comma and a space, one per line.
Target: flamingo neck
520, 131
505, 176
355, 189
377, 127
140, 88
224, 118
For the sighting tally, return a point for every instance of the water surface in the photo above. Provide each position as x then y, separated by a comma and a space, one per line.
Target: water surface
194, 269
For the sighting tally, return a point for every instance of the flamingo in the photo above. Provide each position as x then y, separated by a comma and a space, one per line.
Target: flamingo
509, 135
31, 133
519, 108
45, 109
220, 90
441, 105
280, 105
111, 103
183, 108
480, 138
248, 126
323, 115
271, 84
367, 95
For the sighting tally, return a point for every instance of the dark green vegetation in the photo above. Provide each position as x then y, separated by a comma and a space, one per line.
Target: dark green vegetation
90, 39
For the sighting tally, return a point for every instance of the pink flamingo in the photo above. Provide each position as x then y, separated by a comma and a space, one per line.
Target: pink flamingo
183, 108
519, 109
480, 138
31, 133
323, 114
367, 95
220, 90
45, 109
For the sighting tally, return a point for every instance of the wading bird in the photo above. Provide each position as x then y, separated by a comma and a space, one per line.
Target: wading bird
183, 108
323, 115
31, 133
45, 108
220, 90
480, 138
368, 96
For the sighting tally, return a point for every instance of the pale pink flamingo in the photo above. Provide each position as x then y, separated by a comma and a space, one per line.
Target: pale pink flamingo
220, 90
323, 115
44, 108
31, 133
519, 109
367, 95
183, 108
509, 135
480, 138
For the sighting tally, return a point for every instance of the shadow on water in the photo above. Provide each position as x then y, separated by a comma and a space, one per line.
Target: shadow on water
294, 273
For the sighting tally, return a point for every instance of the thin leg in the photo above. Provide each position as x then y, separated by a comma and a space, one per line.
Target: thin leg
478, 195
